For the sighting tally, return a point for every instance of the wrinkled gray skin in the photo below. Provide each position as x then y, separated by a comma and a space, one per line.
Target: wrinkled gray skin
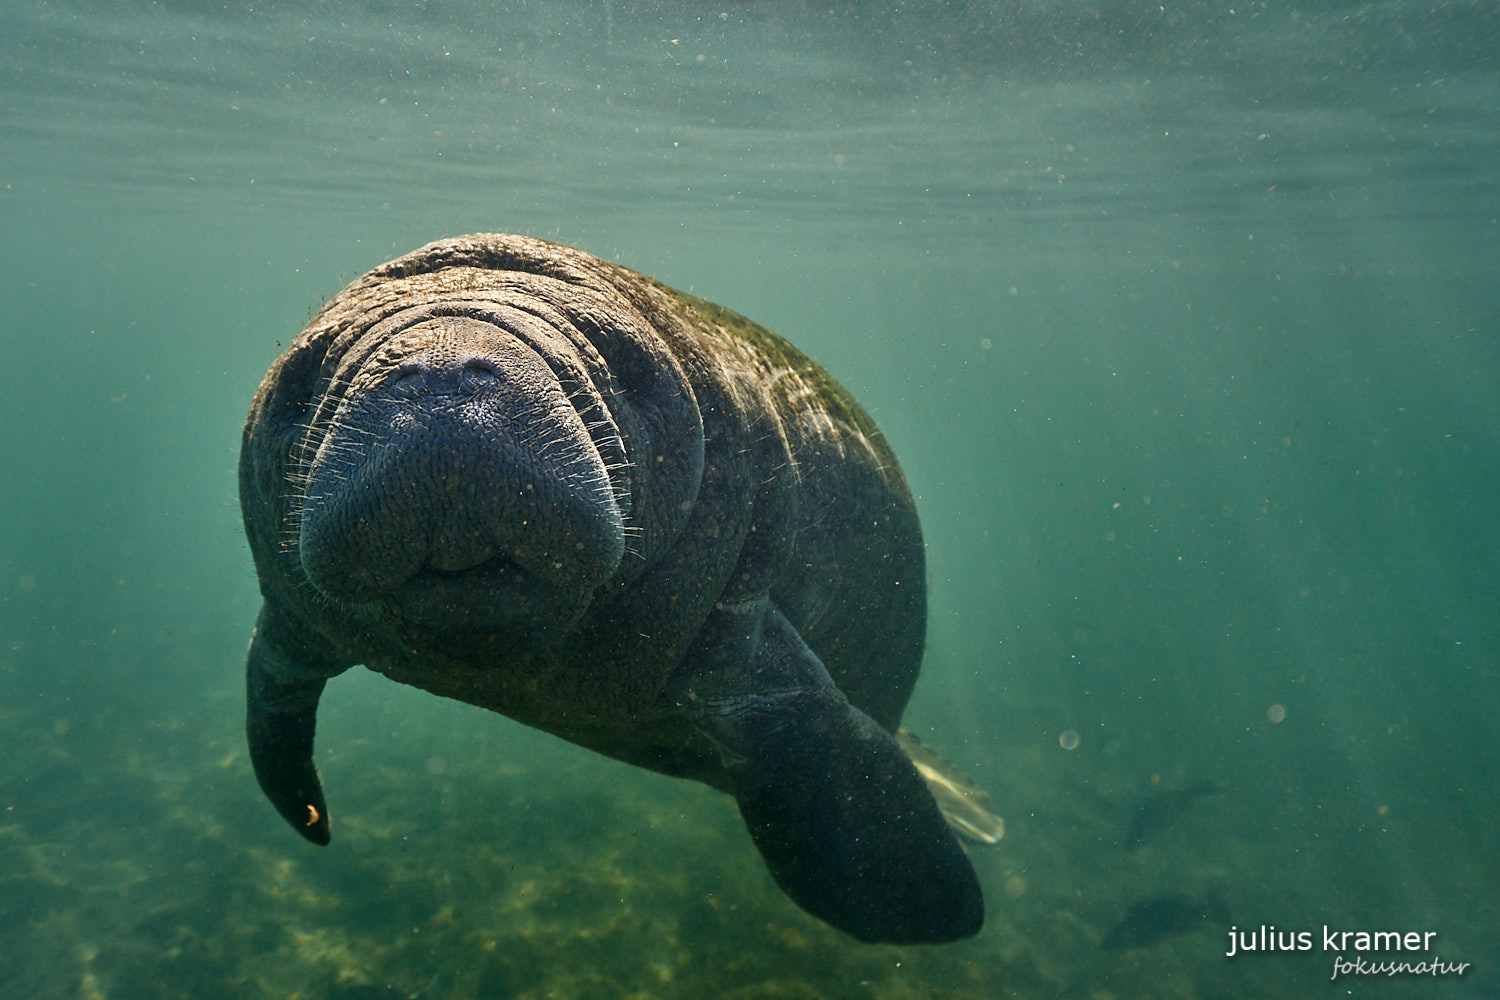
509, 473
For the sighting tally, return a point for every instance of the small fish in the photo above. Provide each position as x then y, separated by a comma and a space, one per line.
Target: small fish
1161, 811
1166, 916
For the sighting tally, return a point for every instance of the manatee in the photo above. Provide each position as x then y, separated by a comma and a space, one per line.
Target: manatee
509, 473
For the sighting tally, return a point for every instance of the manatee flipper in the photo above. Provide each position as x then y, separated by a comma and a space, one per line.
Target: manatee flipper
843, 820
281, 711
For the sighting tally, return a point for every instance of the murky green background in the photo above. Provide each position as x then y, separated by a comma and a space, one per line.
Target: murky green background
1183, 319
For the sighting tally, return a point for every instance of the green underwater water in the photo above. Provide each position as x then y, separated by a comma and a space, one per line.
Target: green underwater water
1184, 323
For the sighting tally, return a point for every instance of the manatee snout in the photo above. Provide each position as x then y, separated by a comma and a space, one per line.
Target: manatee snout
455, 477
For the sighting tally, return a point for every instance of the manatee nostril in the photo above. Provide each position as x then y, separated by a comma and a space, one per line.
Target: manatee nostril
478, 373
410, 377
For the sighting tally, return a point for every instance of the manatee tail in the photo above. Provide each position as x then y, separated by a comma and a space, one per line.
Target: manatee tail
964, 805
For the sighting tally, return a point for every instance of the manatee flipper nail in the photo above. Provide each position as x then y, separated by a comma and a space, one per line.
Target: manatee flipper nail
843, 820
281, 715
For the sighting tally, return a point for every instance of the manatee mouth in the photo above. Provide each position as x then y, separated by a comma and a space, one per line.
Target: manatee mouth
495, 595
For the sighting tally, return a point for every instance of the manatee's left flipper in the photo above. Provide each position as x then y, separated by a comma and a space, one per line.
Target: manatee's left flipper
284, 677
845, 823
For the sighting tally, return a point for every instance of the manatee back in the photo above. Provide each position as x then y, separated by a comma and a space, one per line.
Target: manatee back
853, 582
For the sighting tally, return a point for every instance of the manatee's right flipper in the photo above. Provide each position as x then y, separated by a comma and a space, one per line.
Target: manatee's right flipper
284, 677
845, 824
